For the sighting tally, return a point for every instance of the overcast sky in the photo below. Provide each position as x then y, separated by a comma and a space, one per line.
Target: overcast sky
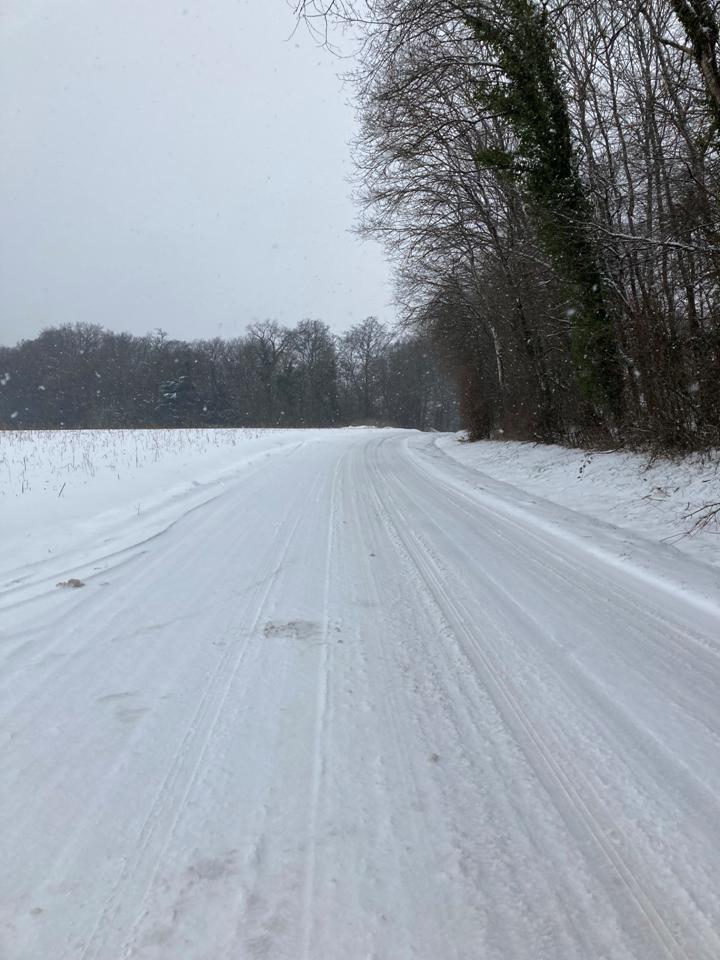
175, 163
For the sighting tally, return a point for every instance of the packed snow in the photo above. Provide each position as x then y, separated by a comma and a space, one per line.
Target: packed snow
354, 693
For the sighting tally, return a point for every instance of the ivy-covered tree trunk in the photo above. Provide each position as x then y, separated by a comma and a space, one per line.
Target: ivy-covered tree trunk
526, 92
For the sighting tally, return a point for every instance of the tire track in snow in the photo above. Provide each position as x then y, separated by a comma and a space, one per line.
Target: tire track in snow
403, 802
556, 781
321, 712
195, 742
625, 554
90, 610
467, 708
659, 654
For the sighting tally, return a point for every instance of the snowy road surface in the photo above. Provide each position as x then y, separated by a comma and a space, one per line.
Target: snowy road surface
363, 705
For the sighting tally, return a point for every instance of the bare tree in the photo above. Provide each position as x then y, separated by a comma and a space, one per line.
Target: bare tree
546, 184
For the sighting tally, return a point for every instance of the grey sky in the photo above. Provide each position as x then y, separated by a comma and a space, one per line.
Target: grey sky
174, 163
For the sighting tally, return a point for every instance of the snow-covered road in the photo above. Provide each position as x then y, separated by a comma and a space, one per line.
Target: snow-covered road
364, 704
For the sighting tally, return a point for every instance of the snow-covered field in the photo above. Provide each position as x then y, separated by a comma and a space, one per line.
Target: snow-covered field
354, 693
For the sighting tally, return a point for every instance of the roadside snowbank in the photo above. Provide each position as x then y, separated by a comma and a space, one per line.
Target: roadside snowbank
652, 498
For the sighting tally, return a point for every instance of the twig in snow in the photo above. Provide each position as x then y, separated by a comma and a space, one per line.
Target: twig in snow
705, 515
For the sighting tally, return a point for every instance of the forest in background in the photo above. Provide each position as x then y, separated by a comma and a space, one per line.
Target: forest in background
84, 376
546, 178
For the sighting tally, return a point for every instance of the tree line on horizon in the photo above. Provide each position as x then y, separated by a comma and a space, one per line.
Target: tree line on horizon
81, 375
546, 177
